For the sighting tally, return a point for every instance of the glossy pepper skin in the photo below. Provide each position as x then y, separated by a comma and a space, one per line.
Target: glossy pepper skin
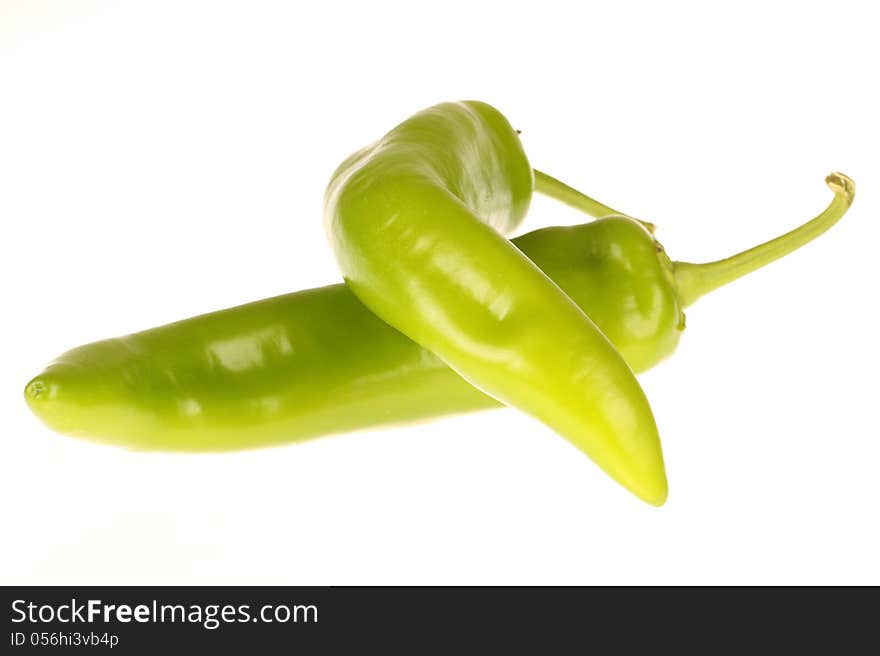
417, 223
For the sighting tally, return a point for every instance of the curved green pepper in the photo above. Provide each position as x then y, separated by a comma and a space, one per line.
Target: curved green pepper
417, 220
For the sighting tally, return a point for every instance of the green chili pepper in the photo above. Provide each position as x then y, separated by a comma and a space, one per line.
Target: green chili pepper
417, 220
317, 362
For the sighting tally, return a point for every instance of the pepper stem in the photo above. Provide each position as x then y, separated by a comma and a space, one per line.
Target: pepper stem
558, 190
550, 186
695, 280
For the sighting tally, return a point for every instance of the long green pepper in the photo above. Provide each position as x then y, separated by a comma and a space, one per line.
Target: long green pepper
318, 362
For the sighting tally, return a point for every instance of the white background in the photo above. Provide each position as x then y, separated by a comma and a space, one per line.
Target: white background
160, 160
